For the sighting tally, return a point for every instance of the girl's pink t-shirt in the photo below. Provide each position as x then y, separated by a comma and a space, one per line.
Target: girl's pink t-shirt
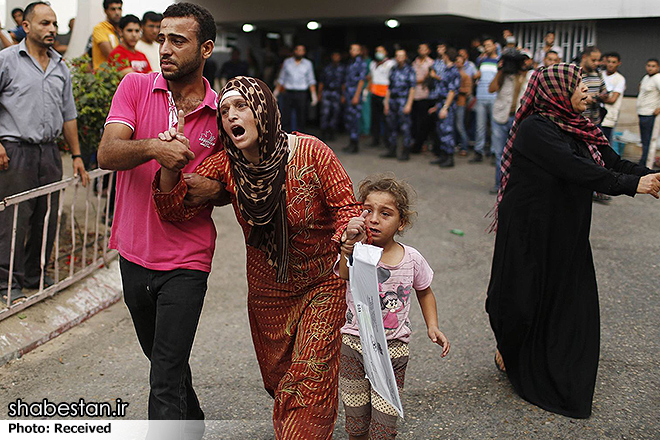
395, 285
144, 103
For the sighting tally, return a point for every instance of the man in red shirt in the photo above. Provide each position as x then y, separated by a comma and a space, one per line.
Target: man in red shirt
124, 56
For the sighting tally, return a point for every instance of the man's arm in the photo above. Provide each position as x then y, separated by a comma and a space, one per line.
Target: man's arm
4, 159
311, 80
611, 97
450, 99
117, 151
70, 131
126, 71
312, 91
279, 84
409, 102
496, 83
106, 48
6, 42
386, 102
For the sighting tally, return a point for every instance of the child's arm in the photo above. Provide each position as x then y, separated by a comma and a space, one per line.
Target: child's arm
428, 305
355, 231
346, 251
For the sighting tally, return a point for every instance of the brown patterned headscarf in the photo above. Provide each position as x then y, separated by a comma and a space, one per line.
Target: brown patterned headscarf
261, 188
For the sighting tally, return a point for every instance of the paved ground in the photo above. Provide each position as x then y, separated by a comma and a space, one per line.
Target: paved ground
460, 397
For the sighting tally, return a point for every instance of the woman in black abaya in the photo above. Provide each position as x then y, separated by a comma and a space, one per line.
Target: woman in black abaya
542, 297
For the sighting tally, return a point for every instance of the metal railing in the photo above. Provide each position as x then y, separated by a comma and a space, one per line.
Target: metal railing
98, 244
572, 36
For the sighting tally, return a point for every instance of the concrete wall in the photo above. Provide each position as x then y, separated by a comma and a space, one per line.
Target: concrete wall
226, 11
89, 14
538, 10
636, 40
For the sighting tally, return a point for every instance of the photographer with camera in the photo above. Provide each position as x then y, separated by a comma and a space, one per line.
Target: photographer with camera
513, 73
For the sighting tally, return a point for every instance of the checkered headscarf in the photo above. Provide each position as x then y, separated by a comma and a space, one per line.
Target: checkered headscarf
549, 94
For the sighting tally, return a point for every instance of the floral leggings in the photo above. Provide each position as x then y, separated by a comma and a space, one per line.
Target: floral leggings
366, 411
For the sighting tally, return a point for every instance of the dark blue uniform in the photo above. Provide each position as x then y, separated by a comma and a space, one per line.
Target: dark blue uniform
450, 80
332, 79
355, 72
439, 67
402, 79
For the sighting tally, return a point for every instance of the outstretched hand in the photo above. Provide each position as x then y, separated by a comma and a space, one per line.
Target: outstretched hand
175, 153
649, 184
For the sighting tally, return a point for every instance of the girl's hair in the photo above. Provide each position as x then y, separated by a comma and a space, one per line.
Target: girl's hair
402, 192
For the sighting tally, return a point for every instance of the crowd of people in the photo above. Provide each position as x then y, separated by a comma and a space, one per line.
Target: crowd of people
180, 149
456, 100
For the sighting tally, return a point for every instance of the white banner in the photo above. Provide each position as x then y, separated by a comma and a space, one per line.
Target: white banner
121, 429
106, 429
364, 287
74, 429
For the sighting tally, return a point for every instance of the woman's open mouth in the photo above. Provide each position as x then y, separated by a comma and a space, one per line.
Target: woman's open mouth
237, 132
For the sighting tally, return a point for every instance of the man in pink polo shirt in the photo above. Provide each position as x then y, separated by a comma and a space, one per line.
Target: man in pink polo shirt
165, 265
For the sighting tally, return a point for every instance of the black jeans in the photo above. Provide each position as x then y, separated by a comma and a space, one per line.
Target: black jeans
607, 131
30, 166
294, 102
423, 124
165, 307
378, 125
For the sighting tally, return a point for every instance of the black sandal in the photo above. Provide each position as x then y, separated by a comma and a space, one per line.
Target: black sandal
16, 295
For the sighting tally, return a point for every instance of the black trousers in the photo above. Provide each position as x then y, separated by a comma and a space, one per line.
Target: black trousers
165, 307
423, 124
30, 166
378, 126
294, 102
607, 131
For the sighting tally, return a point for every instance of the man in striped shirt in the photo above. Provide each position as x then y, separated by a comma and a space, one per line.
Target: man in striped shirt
597, 89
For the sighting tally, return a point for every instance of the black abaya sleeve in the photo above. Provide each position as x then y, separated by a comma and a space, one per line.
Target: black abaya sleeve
541, 141
614, 162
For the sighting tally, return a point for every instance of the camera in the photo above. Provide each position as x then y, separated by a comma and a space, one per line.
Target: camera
513, 61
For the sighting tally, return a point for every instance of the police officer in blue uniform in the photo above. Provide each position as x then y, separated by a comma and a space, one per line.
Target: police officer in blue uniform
446, 88
398, 105
356, 74
332, 79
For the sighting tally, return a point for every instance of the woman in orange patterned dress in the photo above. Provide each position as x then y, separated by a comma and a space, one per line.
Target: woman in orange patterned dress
293, 200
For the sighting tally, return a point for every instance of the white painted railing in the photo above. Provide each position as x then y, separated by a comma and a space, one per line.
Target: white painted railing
100, 224
572, 36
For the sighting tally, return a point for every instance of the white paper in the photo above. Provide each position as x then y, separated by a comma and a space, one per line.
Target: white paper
364, 287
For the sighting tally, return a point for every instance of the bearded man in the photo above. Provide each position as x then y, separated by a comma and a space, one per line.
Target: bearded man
165, 265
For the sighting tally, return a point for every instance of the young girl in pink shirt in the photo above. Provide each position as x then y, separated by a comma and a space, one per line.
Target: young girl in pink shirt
401, 269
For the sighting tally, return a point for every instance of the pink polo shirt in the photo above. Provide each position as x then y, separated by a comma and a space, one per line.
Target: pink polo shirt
144, 103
